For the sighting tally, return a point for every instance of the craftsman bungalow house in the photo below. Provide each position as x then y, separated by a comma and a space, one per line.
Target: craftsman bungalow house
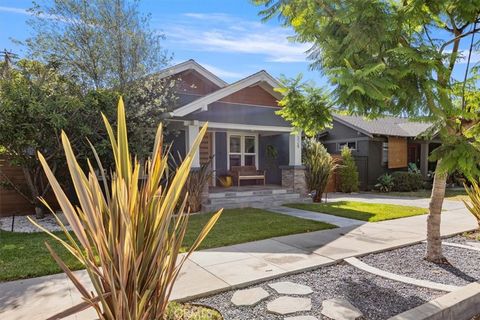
381, 145
243, 128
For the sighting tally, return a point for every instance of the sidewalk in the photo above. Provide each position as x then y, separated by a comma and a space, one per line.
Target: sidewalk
213, 270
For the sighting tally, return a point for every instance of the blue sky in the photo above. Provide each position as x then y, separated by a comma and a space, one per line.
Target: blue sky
227, 37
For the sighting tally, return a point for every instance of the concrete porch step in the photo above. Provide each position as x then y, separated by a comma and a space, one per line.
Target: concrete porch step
233, 205
246, 193
256, 198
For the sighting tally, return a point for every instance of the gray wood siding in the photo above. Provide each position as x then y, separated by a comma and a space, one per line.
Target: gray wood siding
239, 114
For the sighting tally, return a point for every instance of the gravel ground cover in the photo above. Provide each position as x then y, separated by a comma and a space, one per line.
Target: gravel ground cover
408, 261
22, 224
376, 297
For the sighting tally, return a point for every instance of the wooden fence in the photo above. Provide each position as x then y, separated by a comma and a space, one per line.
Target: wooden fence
10, 201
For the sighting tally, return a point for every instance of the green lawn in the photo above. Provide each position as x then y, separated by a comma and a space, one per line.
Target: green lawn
24, 255
371, 212
456, 195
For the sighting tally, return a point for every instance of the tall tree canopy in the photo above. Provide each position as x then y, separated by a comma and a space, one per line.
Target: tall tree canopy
36, 104
105, 43
397, 58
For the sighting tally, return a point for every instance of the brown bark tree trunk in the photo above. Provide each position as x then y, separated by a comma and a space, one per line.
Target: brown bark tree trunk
434, 241
39, 214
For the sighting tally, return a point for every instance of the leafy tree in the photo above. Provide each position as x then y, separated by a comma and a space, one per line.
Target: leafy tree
36, 104
105, 43
347, 172
150, 100
395, 58
319, 166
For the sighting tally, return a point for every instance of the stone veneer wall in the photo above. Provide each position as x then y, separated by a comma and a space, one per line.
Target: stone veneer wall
294, 178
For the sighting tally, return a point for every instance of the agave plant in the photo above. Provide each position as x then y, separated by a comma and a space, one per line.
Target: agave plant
129, 235
474, 205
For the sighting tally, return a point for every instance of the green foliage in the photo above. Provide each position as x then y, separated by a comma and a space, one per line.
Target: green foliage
382, 58
300, 98
385, 183
104, 43
319, 166
347, 172
36, 104
407, 181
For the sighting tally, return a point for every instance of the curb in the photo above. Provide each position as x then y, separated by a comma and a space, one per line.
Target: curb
461, 304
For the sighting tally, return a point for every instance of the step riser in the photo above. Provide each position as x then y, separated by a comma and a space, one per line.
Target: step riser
285, 197
260, 205
234, 194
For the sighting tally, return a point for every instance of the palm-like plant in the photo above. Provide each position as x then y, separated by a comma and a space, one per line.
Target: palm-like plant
474, 205
129, 235
319, 166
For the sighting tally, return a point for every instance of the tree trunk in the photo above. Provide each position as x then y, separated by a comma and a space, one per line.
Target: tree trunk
434, 241
34, 192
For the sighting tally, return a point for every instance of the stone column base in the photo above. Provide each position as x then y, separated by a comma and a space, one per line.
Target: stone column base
293, 177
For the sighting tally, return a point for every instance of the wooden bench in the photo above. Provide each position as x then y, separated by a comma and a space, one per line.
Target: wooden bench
247, 173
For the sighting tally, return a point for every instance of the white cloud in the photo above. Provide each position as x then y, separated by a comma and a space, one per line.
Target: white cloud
218, 32
222, 73
473, 59
15, 10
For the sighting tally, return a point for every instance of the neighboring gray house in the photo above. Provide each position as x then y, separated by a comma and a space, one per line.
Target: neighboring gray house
381, 145
243, 128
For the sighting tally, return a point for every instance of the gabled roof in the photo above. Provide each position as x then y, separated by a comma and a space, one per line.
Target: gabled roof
386, 126
261, 78
192, 65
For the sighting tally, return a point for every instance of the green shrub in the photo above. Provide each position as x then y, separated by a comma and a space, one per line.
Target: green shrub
407, 181
319, 166
385, 183
347, 172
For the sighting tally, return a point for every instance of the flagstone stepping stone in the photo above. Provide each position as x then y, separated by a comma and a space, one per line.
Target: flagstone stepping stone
249, 297
340, 309
288, 305
287, 287
301, 318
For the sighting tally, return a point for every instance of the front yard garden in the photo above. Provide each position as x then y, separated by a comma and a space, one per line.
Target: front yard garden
24, 255
364, 211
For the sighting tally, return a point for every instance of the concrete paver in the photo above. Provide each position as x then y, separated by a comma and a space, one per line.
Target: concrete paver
209, 271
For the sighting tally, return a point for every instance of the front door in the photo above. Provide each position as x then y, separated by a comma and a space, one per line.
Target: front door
414, 154
206, 152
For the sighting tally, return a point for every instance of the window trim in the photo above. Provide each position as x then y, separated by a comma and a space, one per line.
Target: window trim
242, 152
347, 142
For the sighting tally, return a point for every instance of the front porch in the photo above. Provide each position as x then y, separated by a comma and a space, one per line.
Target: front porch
274, 150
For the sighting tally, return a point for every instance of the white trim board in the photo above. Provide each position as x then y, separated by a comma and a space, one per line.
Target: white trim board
246, 127
192, 65
202, 103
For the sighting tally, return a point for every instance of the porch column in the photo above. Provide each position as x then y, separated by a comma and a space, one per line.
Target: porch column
295, 149
191, 134
293, 175
424, 159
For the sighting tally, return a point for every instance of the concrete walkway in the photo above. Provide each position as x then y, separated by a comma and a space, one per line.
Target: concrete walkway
213, 270
328, 218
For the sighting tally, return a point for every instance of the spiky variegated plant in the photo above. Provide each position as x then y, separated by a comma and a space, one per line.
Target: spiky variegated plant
474, 205
129, 235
